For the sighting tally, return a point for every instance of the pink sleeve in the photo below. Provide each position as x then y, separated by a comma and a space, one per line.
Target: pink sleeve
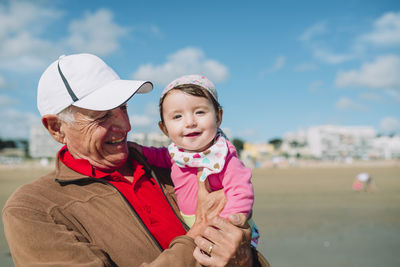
157, 156
238, 189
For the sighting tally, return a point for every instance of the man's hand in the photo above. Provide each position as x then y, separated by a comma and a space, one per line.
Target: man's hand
225, 243
220, 242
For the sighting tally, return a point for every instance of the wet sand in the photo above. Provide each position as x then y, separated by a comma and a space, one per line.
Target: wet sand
312, 217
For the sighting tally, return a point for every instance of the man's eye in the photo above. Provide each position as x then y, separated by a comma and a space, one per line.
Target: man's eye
105, 116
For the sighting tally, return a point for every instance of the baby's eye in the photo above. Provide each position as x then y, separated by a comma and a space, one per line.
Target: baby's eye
200, 112
175, 117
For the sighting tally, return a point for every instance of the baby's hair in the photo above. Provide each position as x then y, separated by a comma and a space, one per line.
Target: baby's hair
191, 89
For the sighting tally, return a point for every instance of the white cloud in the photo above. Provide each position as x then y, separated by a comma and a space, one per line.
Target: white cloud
152, 109
345, 103
20, 16
279, 63
313, 31
6, 100
189, 60
386, 31
16, 124
96, 33
320, 48
155, 31
146, 121
141, 120
371, 97
306, 67
383, 73
20, 47
394, 94
330, 57
390, 125
23, 25
25, 53
316, 86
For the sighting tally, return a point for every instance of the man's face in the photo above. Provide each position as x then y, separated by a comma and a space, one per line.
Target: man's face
99, 136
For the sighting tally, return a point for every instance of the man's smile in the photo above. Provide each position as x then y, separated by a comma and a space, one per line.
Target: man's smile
116, 141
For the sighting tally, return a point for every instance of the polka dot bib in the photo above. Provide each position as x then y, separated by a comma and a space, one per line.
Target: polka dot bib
212, 160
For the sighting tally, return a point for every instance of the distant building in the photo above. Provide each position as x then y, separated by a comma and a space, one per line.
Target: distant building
254, 155
258, 150
386, 147
41, 144
330, 142
296, 145
342, 142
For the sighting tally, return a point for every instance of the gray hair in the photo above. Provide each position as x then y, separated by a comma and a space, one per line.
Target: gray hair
67, 115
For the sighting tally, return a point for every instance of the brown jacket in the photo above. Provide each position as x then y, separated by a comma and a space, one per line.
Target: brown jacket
68, 219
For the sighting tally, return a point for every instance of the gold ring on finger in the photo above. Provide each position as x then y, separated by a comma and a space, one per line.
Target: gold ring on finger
210, 248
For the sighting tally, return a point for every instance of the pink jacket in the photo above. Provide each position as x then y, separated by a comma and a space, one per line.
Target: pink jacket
235, 179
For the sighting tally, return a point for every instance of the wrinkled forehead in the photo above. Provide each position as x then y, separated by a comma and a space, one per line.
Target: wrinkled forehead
82, 115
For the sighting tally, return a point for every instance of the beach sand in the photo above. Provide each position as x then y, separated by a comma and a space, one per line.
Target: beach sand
306, 216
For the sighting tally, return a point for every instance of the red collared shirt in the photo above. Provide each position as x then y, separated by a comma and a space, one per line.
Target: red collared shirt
143, 194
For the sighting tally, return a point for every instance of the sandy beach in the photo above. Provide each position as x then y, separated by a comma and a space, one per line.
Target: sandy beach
307, 216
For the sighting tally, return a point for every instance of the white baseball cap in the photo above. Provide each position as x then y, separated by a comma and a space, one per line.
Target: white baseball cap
84, 80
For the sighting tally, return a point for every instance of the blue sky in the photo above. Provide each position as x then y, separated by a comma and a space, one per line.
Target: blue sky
278, 67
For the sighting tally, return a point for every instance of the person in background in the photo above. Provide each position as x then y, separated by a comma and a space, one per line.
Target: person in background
104, 205
364, 182
191, 116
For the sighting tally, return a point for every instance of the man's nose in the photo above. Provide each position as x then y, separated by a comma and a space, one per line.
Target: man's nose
121, 120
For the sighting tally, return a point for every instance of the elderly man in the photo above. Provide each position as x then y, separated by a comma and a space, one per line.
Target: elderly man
104, 205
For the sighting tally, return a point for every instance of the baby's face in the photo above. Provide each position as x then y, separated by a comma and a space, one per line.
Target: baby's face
191, 122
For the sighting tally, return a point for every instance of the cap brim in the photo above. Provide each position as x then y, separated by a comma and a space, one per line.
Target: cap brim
113, 94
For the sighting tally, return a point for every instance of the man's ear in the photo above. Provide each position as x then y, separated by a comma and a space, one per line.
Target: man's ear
163, 128
219, 117
53, 124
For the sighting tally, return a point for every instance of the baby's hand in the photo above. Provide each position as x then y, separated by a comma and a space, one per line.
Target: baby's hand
205, 184
209, 206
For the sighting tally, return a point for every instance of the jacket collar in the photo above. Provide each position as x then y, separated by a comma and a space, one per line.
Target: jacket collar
65, 175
